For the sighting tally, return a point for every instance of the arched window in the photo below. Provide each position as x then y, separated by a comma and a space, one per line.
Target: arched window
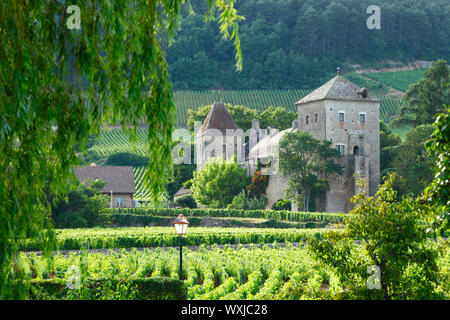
356, 150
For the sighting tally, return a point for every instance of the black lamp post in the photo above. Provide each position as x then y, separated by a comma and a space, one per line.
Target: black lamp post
181, 225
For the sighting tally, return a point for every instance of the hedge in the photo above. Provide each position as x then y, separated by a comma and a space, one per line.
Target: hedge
131, 220
104, 238
136, 289
293, 216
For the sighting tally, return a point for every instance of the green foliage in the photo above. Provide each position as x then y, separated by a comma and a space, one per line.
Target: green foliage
190, 104
127, 159
242, 115
399, 80
142, 237
245, 201
394, 239
53, 97
304, 160
278, 117
110, 289
282, 204
83, 206
186, 202
298, 44
292, 216
427, 97
182, 173
288, 273
218, 182
413, 163
438, 192
376, 88
388, 148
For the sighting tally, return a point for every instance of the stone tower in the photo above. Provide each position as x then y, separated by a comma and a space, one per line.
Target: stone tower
219, 137
348, 117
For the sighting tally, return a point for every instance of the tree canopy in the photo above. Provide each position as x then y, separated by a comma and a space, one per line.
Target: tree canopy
218, 182
57, 85
413, 163
395, 260
305, 160
297, 44
428, 96
277, 117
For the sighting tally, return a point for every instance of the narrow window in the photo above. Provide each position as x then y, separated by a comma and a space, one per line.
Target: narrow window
362, 118
307, 119
224, 151
340, 148
315, 117
341, 117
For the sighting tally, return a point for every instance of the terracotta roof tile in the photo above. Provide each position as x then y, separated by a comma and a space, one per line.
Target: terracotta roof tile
219, 118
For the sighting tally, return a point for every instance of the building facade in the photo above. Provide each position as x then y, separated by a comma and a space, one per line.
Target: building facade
338, 111
120, 185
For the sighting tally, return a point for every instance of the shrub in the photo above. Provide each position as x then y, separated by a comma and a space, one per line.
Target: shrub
282, 205
244, 202
186, 201
82, 208
127, 159
218, 182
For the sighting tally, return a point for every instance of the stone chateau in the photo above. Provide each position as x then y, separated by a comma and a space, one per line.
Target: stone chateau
338, 111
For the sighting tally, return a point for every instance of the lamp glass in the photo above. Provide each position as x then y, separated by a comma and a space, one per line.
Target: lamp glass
180, 228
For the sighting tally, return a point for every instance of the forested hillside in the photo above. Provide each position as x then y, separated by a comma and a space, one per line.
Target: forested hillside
297, 44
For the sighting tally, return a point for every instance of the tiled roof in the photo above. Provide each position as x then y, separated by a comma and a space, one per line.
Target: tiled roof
118, 179
219, 118
337, 88
182, 192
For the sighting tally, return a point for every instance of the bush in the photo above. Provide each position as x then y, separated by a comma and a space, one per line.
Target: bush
186, 201
282, 205
82, 208
218, 182
244, 202
127, 159
293, 216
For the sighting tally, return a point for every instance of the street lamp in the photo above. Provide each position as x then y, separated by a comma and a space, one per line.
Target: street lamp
181, 225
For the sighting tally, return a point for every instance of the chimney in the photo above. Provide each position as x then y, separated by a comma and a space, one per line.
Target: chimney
363, 93
255, 124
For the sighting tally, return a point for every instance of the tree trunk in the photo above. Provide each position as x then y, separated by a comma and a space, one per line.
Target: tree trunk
306, 196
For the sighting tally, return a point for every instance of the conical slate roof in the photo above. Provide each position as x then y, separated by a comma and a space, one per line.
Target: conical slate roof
219, 118
337, 88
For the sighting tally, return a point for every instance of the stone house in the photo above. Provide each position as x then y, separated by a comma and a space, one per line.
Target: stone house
120, 186
338, 111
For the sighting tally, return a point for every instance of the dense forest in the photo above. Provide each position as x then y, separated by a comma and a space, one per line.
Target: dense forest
298, 43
